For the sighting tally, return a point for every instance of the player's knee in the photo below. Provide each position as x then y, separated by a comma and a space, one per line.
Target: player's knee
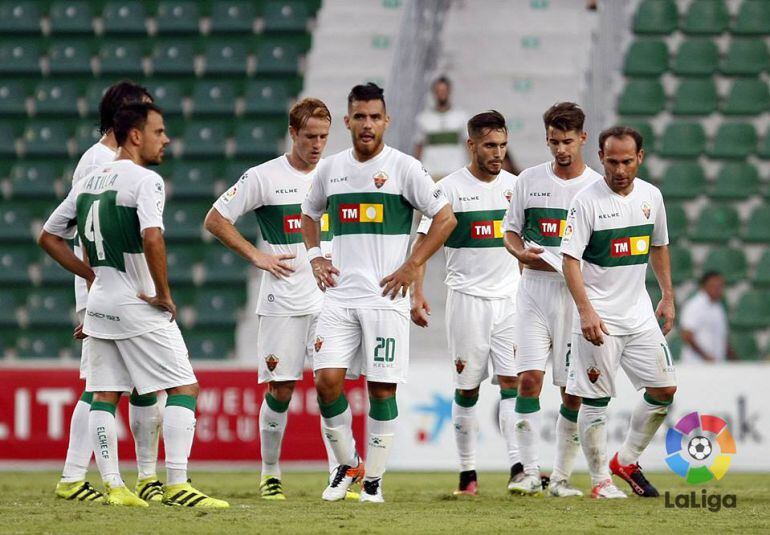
327, 388
530, 384
663, 394
187, 390
281, 390
469, 393
107, 397
382, 390
507, 382
570, 401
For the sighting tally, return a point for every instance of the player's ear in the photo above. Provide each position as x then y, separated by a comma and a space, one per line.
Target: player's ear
387, 120
135, 135
293, 133
640, 156
347, 121
583, 137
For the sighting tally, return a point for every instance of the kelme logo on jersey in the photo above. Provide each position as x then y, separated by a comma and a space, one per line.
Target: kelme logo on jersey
632, 246
361, 213
552, 228
485, 230
271, 361
380, 178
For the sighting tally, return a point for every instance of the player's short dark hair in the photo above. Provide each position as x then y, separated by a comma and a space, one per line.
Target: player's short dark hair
481, 123
116, 96
708, 275
442, 80
365, 93
564, 116
131, 116
621, 131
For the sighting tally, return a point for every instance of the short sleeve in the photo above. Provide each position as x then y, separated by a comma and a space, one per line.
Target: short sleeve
660, 230
421, 192
314, 204
424, 226
150, 202
242, 197
63, 220
514, 215
578, 229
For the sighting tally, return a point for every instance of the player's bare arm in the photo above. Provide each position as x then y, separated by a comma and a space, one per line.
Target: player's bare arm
528, 256
443, 224
231, 238
661, 266
58, 249
323, 270
420, 308
155, 253
591, 325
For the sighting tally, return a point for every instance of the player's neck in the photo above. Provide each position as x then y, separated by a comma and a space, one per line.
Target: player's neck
481, 175
573, 170
360, 157
124, 153
623, 192
109, 141
444, 107
299, 164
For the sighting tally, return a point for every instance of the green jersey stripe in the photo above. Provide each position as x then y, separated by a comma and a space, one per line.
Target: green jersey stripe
544, 226
478, 228
627, 246
369, 213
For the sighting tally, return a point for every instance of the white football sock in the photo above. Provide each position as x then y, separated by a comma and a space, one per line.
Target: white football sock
178, 434
104, 440
272, 425
381, 434
339, 432
645, 421
567, 447
507, 420
466, 428
592, 423
145, 422
527, 430
80, 446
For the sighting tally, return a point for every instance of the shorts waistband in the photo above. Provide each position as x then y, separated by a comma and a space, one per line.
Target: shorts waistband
541, 275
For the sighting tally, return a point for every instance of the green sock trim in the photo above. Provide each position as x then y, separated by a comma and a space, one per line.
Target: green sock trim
181, 400
652, 401
383, 409
525, 405
274, 404
334, 408
87, 397
145, 400
465, 401
569, 414
508, 393
103, 406
596, 402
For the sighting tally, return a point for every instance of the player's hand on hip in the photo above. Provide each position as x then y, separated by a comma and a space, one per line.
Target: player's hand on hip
324, 273
420, 310
276, 265
399, 281
78, 333
531, 257
164, 303
592, 327
665, 310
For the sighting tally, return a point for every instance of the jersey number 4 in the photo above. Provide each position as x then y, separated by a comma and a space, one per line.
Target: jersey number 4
93, 230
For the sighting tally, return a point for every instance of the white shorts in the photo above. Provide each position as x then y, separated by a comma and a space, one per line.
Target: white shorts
86, 343
149, 362
644, 357
283, 344
479, 330
366, 341
543, 324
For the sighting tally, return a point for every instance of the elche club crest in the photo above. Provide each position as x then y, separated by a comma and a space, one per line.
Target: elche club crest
593, 374
646, 209
319, 341
459, 365
380, 177
271, 361
508, 194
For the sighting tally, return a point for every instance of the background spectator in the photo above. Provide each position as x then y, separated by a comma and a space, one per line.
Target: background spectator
703, 323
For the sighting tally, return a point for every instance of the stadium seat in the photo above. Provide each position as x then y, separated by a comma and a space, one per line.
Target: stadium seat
645, 129
20, 57
214, 97
683, 180
285, 15
695, 96
706, 17
696, 57
204, 139
71, 16
676, 217
646, 58
642, 97
729, 261
733, 140
752, 310
656, 17
757, 229
193, 180
15, 261
233, 16
747, 97
653, 289
94, 92
51, 273
218, 306
33, 179
266, 97
258, 139
682, 140
224, 266
181, 262
33, 344
13, 98
745, 57
675, 343
184, 221
124, 17
681, 264
70, 57
46, 138
20, 16
736, 181
764, 147
121, 58
86, 134
174, 58
7, 140
277, 57
178, 16
213, 344
56, 98
9, 304
716, 223
50, 307
226, 58
168, 95
762, 271
753, 18
745, 346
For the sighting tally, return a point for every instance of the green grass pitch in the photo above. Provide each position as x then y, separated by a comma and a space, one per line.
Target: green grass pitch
416, 503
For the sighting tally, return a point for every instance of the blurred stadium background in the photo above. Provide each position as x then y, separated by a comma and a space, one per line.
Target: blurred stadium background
691, 75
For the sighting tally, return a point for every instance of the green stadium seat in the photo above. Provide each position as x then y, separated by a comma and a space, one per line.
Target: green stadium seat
13, 98
736, 181
15, 261
745, 57
226, 58
204, 139
646, 58
286, 15
193, 180
258, 139
747, 97
218, 306
656, 17
94, 92
20, 16
124, 17
757, 229
233, 16
174, 58
20, 57
683, 180
211, 344
695, 96
224, 266
642, 97
180, 262
184, 221
681, 264
33, 179
645, 129
675, 344
46, 138
52, 274
71, 16
50, 307
734, 140
764, 147
643, 172
56, 98
745, 346
121, 58
277, 57
752, 310
9, 304
753, 18
682, 140
168, 95
86, 134
214, 97
70, 58
33, 344
178, 16
706, 17
7, 140
716, 223
696, 57
728, 261
762, 271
